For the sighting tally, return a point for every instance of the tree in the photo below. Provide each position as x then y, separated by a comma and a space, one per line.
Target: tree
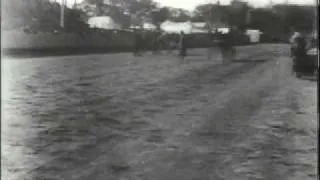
238, 13
282, 19
39, 15
299, 18
202, 12
160, 15
212, 13
179, 15
263, 19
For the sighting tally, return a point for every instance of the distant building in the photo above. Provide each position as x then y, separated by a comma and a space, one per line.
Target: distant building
103, 22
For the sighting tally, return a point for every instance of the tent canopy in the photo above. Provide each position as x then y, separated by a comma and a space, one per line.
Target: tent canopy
190, 27
149, 26
223, 30
176, 27
187, 27
146, 26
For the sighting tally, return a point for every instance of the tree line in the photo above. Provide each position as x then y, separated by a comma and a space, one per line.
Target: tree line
278, 19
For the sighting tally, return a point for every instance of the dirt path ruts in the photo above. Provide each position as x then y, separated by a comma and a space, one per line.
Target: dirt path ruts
210, 123
174, 131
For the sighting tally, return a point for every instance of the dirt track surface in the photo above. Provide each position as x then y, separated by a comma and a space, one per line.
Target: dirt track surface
167, 119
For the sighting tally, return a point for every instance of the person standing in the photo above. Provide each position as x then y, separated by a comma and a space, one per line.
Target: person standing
292, 42
160, 41
137, 40
172, 44
211, 43
299, 55
154, 43
226, 46
143, 41
182, 45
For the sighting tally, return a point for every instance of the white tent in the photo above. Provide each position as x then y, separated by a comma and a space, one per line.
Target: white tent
149, 26
145, 26
103, 22
176, 27
254, 35
188, 27
223, 30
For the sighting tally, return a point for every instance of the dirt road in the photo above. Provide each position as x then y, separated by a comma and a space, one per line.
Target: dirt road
250, 119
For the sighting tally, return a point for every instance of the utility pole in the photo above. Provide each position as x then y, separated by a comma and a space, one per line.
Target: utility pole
99, 4
62, 13
219, 14
209, 17
316, 19
270, 4
249, 17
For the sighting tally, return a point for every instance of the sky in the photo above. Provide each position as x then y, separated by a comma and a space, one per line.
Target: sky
191, 4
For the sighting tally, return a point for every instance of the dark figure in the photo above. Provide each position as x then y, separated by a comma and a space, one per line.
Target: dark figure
292, 41
300, 63
226, 46
182, 45
137, 43
171, 43
143, 41
158, 42
212, 40
155, 44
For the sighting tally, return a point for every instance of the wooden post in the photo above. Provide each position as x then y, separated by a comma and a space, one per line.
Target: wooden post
62, 14
316, 19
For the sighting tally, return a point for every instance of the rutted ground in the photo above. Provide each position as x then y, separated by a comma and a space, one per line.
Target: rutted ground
167, 119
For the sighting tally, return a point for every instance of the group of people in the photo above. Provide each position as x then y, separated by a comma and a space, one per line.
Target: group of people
161, 40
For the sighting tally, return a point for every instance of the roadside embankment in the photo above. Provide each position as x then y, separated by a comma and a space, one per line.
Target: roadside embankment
21, 44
